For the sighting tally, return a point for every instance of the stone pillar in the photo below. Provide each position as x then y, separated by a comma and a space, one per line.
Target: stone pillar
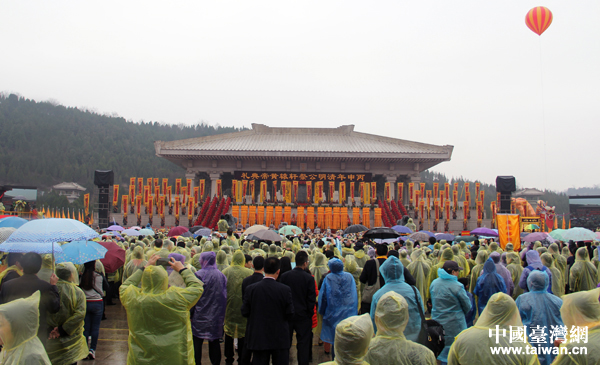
214, 176
191, 175
392, 180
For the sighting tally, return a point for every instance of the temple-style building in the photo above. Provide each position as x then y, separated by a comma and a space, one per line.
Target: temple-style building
301, 155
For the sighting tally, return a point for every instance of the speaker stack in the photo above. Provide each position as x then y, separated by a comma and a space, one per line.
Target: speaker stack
103, 179
505, 185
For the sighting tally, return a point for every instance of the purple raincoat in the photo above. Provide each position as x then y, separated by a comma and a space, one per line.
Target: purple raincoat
208, 315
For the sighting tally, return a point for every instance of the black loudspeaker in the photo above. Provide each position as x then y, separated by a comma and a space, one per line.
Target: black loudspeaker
103, 206
505, 202
104, 177
506, 184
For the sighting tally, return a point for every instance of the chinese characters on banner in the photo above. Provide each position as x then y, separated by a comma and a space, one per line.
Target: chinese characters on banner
337, 177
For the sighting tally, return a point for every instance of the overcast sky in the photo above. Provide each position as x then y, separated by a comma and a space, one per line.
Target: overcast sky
463, 73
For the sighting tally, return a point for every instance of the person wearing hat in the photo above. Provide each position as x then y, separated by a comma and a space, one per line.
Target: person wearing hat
450, 304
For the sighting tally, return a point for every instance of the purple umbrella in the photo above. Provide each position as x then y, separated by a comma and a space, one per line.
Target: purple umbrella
444, 236
538, 236
484, 231
402, 229
115, 228
430, 234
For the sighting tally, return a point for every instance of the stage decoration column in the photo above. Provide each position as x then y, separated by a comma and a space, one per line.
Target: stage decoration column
361, 192
244, 191
177, 209
190, 211
477, 187
366, 217
295, 191
263, 192
355, 215
287, 214
493, 209
284, 191
165, 183
308, 192
300, 217
219, 188
411, 187
235, 212
331, 191
417, 204
336, 218
387, 196
447, 190
310, 218
352, 192
278, 216
436, 188
455, 203
260, 215
162, 211
377, 214
421, 214
269, 219
328, 218
321, 218
251, 192
234, 192
342, 193
373, 192
244, 215
399, 195
251, 216
344, 218
274, 197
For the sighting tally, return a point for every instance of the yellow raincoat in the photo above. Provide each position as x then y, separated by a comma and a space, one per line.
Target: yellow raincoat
235, 323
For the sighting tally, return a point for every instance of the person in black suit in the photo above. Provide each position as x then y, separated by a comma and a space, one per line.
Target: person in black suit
368, 276
29, 283
268, 307
304, 297
259, 273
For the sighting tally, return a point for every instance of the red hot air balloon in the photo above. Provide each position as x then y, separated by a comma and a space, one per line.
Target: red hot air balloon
538, 19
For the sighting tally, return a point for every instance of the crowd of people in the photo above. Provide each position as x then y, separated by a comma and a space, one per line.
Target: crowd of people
365, 302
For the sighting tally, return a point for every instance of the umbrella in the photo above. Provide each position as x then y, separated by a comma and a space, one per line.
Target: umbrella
430, 234
381, 232
484, 231
444, 236
254, 228
387, 241
12, 222
80, 252
290, 230
187, 234
538, 236
146, 232
204, 232
177, 231
531, 226
40, 235
419, 236
355, 228
557, 234
195, 228
135, 227
132, 232
577, 234
115, 227
114, 257
402, 229
267, 235
5, 232
465, 238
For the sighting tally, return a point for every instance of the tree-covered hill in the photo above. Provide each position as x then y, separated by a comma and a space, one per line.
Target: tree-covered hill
43, 144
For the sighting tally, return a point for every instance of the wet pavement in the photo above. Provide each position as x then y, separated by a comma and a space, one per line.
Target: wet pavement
112, 343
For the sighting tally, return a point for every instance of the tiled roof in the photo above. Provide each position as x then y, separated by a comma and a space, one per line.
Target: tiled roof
68, 186
529, 192
266, 139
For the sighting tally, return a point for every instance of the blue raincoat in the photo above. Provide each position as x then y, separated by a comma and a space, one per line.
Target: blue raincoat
392, 272
488, 284
338, 299
208, 315
450, 306
538, 307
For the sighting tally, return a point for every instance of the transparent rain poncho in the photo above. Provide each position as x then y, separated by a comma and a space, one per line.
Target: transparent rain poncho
273, 251
559, 261
392, 272
71, 346
136, 262
539, 308
419, 268
450, 306
583, 274
175, 279
404, 258
352, 338
46, 270
158, 316
19, 322
558, 286
222, 262
488, 284
515, 269
480, 259
338, 299
460, 259
492, 330
319, 269
581, 310
235, 323
208, 315
390, 346
351, 267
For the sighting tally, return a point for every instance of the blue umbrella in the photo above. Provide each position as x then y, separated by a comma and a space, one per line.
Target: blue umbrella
402, 229
40, 235
12, 222
444, 236
428, 233
80, 252
204, 232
